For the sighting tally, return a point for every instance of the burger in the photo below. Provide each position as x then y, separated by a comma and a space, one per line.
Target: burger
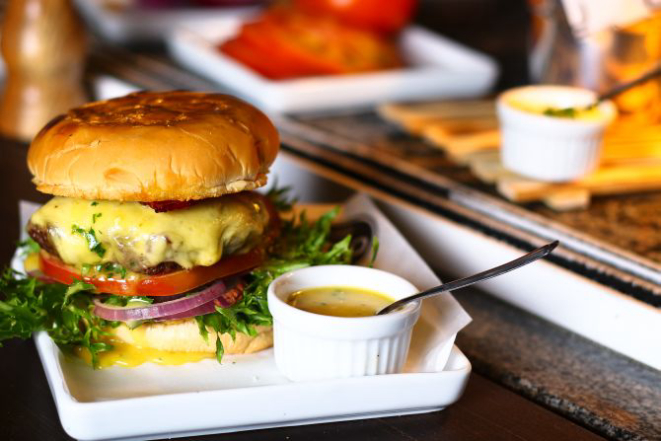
154, 238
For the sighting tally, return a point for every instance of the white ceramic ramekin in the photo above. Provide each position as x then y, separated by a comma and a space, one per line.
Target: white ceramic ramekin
313, 347
551, 148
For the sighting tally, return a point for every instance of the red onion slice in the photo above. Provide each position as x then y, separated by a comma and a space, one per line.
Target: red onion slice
227, 300
172, 307
205, 309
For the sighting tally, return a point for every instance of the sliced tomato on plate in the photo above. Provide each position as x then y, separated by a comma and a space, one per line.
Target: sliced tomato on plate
383, 16
269, 47
287, 44
253, 57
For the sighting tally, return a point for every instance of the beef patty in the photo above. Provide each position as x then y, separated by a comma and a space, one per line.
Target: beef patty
40, 235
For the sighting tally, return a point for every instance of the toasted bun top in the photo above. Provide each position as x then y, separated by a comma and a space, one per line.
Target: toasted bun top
154, 146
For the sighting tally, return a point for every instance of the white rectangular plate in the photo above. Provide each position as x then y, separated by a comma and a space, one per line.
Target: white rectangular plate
439, 68
152, 401
123, 21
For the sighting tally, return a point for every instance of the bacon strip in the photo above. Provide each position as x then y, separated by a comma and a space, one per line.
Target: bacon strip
163, 206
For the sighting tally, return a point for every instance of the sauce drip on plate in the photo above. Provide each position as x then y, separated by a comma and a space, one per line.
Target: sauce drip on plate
132, 355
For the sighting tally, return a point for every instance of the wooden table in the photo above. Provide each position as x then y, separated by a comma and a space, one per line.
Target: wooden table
27, 410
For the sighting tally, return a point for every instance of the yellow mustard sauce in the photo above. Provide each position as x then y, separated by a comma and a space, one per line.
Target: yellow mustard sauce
340, 301
134, 354
578, 112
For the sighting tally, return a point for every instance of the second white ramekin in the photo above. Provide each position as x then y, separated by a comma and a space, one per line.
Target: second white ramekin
310, 346
551, 148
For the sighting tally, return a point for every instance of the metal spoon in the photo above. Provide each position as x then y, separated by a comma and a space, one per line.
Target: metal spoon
620, 88
484, 275
650, 74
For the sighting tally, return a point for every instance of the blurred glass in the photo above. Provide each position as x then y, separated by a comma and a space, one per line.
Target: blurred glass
633, 50
600, 60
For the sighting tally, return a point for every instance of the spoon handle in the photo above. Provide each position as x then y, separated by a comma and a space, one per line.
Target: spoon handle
656, 71
484, 275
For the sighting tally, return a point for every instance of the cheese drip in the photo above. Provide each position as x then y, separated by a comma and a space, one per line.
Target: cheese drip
137, 237
132, 355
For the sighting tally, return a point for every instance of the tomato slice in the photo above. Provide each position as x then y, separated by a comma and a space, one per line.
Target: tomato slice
283, 43
297, 42
380, 16
169, 284
274, 54
177, 282
273, 65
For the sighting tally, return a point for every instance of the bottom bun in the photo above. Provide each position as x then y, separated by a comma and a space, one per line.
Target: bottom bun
184, 336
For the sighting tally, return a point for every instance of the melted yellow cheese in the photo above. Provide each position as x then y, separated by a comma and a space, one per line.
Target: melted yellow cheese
137, 237
132, 355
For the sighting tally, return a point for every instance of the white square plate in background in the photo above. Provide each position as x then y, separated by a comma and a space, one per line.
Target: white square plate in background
438, 68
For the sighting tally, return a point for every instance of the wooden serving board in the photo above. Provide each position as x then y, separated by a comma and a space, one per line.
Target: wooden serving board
468, 132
